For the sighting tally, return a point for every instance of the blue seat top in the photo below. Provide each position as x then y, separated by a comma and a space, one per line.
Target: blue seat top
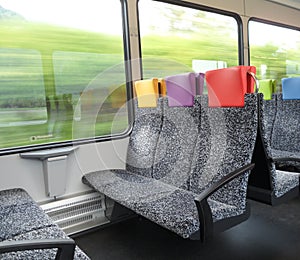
291, 88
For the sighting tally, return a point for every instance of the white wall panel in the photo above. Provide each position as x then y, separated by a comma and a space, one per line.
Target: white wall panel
28, 173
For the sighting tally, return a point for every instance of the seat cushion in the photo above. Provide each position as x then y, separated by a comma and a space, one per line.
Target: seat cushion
286, 134
222, 210
284, 154
166, 205
14, 197
53, 232
284, 181
20, 214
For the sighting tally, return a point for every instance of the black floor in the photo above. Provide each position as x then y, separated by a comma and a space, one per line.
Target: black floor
269, 233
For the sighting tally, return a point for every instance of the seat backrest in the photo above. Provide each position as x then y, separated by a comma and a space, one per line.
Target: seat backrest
146, 128
179, 132
147, 92
286, 129
225, 143
291, 88
267, 87
178, 92
227, 87
266, 116
200, 77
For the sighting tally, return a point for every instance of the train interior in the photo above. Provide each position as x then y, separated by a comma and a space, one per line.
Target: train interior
150, 129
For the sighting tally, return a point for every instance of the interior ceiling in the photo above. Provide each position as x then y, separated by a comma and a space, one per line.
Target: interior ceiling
290, 3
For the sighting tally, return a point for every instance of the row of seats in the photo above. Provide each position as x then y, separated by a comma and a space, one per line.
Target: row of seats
26, 232
188, 162
189, 156
277, 153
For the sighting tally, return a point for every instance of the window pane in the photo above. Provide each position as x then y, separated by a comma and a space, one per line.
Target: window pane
97, 83
275, 51
178, 39
22, 99
62, 74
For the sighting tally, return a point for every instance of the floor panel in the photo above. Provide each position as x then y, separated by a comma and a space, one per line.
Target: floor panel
269, 233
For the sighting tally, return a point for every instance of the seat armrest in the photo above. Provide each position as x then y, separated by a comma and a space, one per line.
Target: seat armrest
229, 177
204, 211
65, 247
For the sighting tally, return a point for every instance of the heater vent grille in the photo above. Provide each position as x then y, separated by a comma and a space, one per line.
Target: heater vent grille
78, 213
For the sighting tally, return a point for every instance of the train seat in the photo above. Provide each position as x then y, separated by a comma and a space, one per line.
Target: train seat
146, 129
277, 156
143, 186
173, 196
267, 87
285, 138
291, 88
178, 134
26, 232
20, 214
228, 86
179, 95
224, 147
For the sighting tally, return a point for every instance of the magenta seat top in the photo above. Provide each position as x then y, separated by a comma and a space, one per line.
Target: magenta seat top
181, 88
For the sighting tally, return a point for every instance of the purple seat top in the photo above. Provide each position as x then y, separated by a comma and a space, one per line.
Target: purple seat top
181, 88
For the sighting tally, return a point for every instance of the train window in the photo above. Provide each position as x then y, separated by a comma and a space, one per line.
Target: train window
176, 39
22, 99
274, 50
62, 72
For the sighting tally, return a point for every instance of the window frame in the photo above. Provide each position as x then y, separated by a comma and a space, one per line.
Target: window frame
268, 22
199, 7
129, 97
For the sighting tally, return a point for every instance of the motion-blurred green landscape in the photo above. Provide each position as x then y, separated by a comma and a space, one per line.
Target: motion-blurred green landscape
59, 83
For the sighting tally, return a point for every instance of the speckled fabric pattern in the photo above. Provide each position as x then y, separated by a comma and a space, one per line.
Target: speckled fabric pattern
284, 154
14, 197
176, 211
285, 140
19, 214
267, 113
286, 132
221, 210
126, 188
175, 148
292, 166
155, 199
143, 139
275, 116
284, 181
164, 204
226, 143
22, 219
45, 233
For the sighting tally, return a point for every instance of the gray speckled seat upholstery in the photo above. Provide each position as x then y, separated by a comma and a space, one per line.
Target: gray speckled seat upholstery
225, 143
52, 232
23, 220
175, 147
143, 139
285, 143
20, 214
167, 198
161, 194
275, 180
162, 203
286, 135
